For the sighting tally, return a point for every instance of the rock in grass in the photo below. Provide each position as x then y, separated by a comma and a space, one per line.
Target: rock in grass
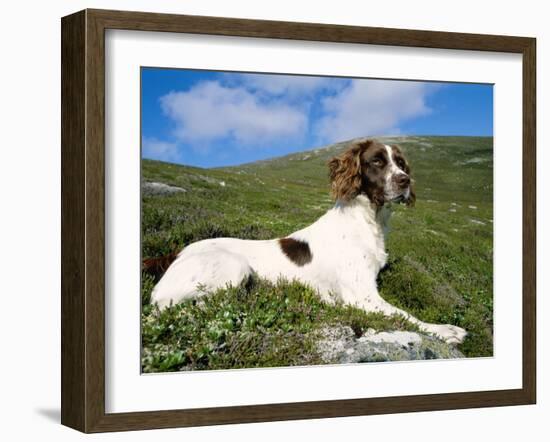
334, 342
340, 345
160, 189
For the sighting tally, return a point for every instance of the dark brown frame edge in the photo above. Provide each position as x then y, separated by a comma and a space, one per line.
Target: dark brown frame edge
83, 216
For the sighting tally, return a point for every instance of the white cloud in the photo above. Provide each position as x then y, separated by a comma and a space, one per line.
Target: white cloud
371, 107
160, 150
211, 111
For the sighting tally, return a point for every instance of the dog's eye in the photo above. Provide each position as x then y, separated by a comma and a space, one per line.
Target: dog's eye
377, 162
400, 163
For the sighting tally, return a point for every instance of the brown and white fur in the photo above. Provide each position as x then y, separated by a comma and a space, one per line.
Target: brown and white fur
339, 255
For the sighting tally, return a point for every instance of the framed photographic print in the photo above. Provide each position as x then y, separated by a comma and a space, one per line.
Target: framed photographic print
268, 220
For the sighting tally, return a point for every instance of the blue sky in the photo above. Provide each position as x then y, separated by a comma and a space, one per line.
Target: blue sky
214, 119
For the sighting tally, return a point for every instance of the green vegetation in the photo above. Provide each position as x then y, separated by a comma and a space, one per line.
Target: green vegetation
440, 255
257, 324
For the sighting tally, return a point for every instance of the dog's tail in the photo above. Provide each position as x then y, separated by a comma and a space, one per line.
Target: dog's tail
157, 266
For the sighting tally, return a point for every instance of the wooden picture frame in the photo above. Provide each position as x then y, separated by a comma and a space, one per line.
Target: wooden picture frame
83, 220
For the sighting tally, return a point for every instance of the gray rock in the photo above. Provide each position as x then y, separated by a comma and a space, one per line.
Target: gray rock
340, 345
153, 188
334, 341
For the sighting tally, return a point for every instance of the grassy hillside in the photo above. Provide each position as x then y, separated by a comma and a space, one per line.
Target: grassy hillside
440, 265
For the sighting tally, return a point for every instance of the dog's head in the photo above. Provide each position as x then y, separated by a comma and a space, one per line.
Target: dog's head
376, 170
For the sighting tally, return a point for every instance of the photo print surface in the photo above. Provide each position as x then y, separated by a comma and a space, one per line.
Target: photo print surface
293, 220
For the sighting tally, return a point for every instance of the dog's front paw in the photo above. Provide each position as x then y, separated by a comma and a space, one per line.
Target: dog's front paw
451, 334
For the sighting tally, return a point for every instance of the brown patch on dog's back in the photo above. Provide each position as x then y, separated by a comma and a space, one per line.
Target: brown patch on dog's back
296, 250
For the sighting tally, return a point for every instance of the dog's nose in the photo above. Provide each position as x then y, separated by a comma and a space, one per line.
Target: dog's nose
402, 180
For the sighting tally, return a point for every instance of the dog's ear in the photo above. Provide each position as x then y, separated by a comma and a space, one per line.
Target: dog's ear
345, 172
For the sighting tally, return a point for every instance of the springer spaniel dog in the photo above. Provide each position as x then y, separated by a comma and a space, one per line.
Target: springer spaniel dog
339, 255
